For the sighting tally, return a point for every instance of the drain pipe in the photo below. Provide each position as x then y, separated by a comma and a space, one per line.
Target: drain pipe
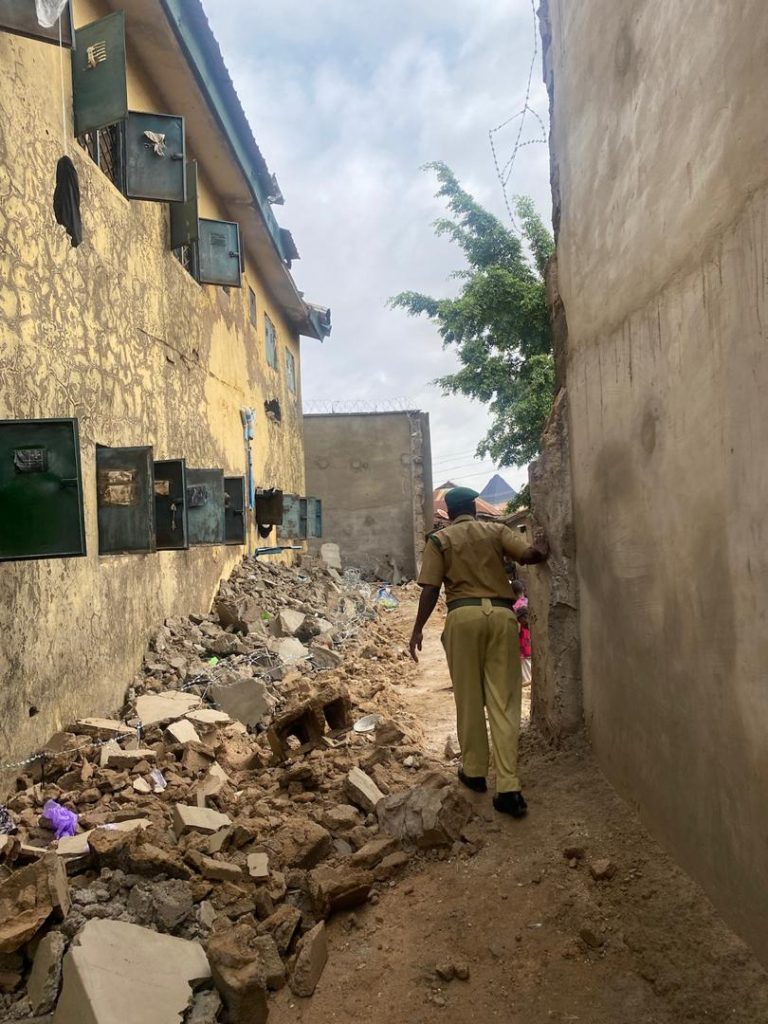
249, 418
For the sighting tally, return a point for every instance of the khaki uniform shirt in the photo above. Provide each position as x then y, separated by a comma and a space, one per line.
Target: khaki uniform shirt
468, 556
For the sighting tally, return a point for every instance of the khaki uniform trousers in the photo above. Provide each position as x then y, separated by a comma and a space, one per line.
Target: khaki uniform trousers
482, 647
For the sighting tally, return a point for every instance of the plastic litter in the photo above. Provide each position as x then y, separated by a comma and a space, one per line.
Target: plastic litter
7, 824
386, 599
213, 661
158, 780
61, 820
49, 11
367, 723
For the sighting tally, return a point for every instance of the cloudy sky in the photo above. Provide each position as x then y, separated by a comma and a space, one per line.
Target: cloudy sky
347, 99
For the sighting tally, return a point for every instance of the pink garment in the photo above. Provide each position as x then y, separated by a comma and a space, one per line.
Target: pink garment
521, 602
525, 641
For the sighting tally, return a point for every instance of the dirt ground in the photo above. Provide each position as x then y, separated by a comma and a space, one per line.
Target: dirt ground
544, 942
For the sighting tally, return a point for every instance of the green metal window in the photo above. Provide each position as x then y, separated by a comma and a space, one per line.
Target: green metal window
218, 252
99, 74
290, 527
155, 162
270, 342
290, 370
314, 517
41, 490
20, 17
252, 306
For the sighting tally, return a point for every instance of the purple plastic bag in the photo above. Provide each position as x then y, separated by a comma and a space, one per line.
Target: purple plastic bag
64, 822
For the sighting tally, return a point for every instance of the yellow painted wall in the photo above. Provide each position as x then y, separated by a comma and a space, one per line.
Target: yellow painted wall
117, 334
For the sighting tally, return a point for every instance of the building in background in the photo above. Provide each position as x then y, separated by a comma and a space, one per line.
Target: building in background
174, 320
373, 474
440, 512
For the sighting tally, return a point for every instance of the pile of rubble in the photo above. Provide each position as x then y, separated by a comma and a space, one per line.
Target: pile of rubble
259, 780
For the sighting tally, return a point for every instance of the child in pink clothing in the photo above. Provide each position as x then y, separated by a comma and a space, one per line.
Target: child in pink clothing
525, 644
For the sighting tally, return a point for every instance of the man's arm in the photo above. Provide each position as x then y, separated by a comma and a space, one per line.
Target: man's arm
427, 602
538, 552
514, 546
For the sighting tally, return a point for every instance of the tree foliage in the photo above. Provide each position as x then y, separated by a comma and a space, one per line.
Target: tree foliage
499, 321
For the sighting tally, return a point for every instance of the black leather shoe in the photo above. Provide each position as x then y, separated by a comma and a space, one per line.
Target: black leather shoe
474, 782
511, 803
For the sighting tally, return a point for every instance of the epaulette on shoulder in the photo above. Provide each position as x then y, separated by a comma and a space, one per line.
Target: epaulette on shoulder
436, 539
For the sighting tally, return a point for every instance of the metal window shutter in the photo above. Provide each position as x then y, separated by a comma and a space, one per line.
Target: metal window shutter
125, 496
234, 509
20, 18
41, 490
290, 526
99, 77
155, 171
219, 252
205, 506
171, 528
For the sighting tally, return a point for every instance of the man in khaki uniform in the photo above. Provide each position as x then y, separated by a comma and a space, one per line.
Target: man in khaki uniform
480, 639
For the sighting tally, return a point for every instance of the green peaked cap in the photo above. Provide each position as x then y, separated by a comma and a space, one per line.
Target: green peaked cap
459, 496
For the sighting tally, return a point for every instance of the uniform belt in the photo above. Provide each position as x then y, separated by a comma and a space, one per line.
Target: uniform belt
476, 602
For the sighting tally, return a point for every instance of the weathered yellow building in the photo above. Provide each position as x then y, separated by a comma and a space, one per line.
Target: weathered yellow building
119, 335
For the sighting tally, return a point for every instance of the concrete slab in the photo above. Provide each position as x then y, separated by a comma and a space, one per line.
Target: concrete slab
119, 973
182, 731
208, 716
198, 819
159, 708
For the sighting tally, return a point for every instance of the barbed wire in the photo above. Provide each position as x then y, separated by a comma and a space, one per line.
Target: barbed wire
504, 172
313, 407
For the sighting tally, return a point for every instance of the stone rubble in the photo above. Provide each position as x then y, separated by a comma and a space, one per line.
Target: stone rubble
225, 815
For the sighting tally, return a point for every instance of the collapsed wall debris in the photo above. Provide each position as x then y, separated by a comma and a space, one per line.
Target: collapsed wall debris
232, 808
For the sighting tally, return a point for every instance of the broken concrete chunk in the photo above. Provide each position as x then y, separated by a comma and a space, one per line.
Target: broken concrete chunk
289, 650
182, 731
204, 1009
391, 865
45, 978
127, 758
452, 748
372, 853
362, 790
198, 819
119, 973
303, 843
71, 847
325, 659
331, 555
28, 898
208, 716
311, 961
214, 782
602, 870
341, 818
288, 622
101, 728
336, 889
239, 974
248, 701
282, 926
142, 786
219, 870
258, 866
425, 816
160, 708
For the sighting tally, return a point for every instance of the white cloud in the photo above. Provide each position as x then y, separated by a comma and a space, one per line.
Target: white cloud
347, 99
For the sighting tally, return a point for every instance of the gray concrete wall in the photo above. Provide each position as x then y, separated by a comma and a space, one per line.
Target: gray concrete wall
659, 138
373, 472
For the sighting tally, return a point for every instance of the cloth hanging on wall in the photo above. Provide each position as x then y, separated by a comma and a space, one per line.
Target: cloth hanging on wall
66, 200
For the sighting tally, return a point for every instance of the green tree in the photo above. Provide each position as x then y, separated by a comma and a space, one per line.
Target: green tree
499, 321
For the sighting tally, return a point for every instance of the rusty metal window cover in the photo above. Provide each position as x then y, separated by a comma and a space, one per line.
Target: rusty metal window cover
205, 505
30, 460
99, 74
252, 313
290, 371
125, 493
